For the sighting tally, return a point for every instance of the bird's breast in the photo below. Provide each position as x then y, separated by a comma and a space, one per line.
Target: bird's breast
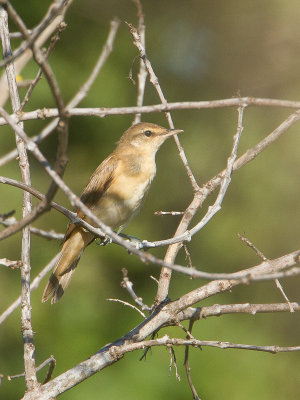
122, 200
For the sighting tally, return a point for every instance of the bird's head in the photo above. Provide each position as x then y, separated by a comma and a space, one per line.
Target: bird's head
146, 137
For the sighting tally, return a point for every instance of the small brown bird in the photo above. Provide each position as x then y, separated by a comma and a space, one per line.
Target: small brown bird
114, 193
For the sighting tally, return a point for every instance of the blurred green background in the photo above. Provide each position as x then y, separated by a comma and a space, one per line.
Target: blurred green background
200, 50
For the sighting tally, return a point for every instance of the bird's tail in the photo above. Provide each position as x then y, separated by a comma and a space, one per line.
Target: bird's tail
67, 262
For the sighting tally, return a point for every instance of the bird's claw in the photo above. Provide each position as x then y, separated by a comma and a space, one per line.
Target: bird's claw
103, 241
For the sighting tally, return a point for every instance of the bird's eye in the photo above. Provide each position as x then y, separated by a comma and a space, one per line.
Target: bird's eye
148, 133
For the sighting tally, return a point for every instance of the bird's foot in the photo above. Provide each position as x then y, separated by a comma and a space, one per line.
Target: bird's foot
103, 241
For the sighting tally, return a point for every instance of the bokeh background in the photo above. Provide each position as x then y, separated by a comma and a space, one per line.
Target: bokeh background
200, 50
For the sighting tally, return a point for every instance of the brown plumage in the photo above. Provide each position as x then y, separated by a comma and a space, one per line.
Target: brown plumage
114, 193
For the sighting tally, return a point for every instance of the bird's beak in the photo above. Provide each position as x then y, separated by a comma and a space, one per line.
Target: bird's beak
172, 132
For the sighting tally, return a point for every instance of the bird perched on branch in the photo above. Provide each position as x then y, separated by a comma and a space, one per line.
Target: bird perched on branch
114, 194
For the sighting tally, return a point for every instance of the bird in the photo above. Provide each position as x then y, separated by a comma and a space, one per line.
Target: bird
114, 193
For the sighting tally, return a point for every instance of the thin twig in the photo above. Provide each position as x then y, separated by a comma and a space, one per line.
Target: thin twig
142, 75
168, 213
188, 256
251, 245
39, 232
167, 341
264, 258
51, 360
128, 285
187, 364
173, 359
279, 286
10, 264
128, 305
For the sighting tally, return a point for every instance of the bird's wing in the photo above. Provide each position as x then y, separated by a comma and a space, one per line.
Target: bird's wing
99, 182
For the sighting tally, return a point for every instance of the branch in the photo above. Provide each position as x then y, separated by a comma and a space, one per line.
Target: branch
51, 360
142, 75
27, 331
187, 364
115, 351
128, 285
10, 264
103, 112
164, 315
39, 232
245, 276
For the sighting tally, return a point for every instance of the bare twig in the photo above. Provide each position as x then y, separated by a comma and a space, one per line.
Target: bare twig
102, 112
39, 232
264, 258
27, 331
168, 213
167, 341
251, 245
128, 285
51, 360
142, 75
10, 264
187, 365
52, 363
279, 286
173, 359
188, 256
246, 308
128, 305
